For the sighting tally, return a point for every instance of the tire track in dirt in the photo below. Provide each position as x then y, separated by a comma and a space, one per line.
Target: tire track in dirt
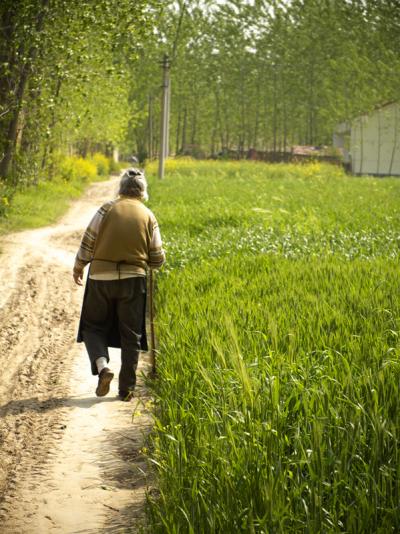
36, 336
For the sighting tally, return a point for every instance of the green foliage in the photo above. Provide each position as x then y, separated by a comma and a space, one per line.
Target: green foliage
115, 166
64, 78
102, 164
277, 406
67, 169
44, 203
85, 170
6, 194
75, 168
41, 205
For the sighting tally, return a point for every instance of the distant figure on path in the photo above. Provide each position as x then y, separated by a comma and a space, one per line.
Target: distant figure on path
121, 242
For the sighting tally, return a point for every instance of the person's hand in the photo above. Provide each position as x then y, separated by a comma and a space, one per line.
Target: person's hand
78, 278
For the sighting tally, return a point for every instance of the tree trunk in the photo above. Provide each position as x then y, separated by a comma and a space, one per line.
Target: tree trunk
213, 137
11, 138
184, 129
264, 124
242, 118
227, 133
194, 127
218, 118
275, 115
284, 125
194, 130
361, 145
257, 119
378, 162
49, 148
178, 129
310, 139
27, 134
7, 56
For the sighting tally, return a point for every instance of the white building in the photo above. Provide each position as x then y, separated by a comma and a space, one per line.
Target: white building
370, 144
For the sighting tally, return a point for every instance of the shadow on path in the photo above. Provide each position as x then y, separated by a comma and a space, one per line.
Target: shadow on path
35, 405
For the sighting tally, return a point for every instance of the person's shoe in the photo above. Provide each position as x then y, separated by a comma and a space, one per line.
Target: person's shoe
126, 395
105, 377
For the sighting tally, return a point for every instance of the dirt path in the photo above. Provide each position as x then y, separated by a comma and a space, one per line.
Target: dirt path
70, 462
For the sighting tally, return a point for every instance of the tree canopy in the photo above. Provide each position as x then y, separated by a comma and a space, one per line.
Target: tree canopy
65, 72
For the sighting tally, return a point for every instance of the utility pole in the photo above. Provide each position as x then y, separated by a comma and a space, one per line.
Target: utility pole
164, 117
166, 152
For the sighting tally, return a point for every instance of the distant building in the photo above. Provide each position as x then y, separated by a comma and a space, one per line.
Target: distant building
370, 144
304, 150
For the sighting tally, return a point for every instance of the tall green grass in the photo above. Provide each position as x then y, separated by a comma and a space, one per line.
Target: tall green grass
39, 205
277, 405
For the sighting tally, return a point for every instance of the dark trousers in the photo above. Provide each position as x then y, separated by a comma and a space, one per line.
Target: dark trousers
115, 304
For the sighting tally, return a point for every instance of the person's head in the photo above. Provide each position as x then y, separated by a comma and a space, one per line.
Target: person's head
133, 184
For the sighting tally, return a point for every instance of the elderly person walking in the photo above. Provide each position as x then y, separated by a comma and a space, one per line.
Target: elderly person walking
121, 242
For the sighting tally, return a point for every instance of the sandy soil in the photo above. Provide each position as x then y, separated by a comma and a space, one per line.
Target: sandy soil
70, 462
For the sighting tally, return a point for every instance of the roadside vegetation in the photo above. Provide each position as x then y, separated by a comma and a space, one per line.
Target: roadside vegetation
278, 318
43, 203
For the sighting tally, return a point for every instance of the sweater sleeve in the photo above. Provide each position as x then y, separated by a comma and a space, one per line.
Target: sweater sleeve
156, 252
86, 249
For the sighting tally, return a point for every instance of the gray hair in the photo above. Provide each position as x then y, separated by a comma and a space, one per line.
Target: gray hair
133, 184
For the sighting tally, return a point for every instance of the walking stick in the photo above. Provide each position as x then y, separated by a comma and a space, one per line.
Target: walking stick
152, 334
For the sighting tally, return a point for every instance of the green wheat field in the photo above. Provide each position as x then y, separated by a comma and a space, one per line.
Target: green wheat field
278, 315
